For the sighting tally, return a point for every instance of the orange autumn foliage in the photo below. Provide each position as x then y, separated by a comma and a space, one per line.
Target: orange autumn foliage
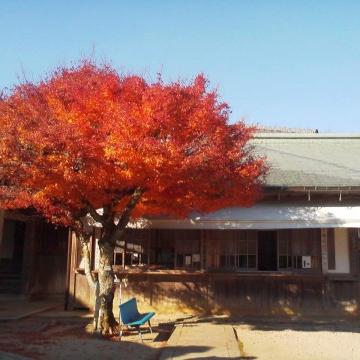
88, 136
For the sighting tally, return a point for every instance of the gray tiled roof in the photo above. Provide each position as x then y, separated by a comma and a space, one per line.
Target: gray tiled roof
298, 160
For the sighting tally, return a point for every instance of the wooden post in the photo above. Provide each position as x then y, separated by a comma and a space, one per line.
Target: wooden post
202, 243
124, 253
149, 246
2, 217
325, 268
324, 252
352, 235
71, 274
175, 250
331, 249
277, 250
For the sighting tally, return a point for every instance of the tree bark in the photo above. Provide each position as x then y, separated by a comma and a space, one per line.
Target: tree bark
102, 286
92, 281
106, 288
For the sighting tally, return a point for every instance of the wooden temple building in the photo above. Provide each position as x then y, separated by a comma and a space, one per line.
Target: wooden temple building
295, 252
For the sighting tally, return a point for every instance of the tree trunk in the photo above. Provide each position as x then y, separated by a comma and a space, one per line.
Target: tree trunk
93, 283
106, 288
103, 286
104, 320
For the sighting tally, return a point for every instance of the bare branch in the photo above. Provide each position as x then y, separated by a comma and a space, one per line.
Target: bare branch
118, 196
125, 216
95, 215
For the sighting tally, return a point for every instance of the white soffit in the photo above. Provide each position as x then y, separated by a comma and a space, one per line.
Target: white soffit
264, 216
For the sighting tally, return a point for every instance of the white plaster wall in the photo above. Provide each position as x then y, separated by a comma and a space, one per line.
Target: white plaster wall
342, 263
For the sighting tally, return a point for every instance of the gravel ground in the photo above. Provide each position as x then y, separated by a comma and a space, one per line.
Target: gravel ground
299, 341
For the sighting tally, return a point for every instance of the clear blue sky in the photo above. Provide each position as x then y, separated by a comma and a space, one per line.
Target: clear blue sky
281, 63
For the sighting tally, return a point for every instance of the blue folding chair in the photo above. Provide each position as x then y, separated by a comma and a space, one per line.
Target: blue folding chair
130, 316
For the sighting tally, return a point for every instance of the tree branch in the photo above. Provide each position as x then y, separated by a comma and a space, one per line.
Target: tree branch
119, 195
125, 216
95, 215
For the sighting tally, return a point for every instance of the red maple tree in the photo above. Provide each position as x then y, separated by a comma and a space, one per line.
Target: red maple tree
88, 138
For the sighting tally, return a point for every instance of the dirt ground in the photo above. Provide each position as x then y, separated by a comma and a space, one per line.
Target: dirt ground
60, 337
311, 341
65, 338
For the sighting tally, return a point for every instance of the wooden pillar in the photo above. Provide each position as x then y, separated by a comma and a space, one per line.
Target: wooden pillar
353, 240
331, 249
202, 252
2, 217
175, 248
124, 252
324, 252
325, 267
72, 256
149, 246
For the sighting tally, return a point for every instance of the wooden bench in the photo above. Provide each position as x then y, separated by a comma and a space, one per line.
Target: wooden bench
130, 316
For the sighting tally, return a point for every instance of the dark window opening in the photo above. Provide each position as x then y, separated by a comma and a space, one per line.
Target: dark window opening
331, 249
284, 249
118, 258
133, 250
162, 249
187, 248
231, 250
267, 250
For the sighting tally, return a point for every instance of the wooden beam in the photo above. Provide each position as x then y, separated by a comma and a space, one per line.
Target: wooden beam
13, 215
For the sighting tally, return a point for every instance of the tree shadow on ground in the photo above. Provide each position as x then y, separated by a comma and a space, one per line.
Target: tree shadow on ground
62, 350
